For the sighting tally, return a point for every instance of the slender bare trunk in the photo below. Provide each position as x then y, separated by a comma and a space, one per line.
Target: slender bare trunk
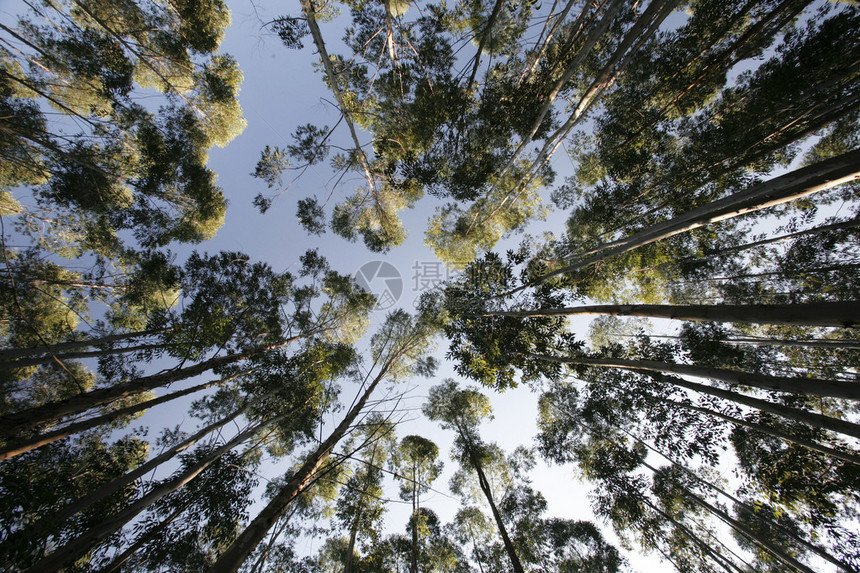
812, 419
485, 34
27, 362
808, 386
720, 559
485, 487
316, 34
15, 448
794, 185
415, 512
847, 344
118, 561
12, 424
833, 314
786, 274
841, 226
71, 551
12, 353
112, 487
544, 43
775, 432
594, 36
233, 558
763, 519
741, 528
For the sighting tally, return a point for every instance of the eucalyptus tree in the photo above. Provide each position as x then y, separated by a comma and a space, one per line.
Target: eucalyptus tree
578, 420
625, 195
396, 349
30, 492
301, 394
416, 466
360, 506
231, 304
188, 528
462, 410
89, 60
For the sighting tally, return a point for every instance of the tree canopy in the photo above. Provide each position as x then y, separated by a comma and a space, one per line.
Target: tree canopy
646, 214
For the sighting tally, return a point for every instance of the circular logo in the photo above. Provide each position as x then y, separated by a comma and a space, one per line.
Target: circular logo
382, 280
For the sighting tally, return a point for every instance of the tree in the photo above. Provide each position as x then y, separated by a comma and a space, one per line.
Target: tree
462, 411
360, 507
396, 347
415, 464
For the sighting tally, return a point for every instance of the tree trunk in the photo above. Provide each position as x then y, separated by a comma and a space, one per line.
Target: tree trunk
740, 528
118, 561
843, 225
108, 489
720, 559
794, 185
594, 35
847, 344
353, 533
656, 12
27, 362
810, 418
807, 386
544, 43
643, 29
415, 510
12, 424
811, 547
74, 549
799, 273
310, 18
776, 433
485, 34
485, 487
233, 558
833, 314
15, 448
12, 353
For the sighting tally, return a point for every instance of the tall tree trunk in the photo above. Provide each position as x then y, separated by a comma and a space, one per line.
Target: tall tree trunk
593, 36
353, 534
485, 487
761, 341
794, 185
27, 362
415, 509
15, 448
112, 487
74, 549
12, 353
775, 432
646, 25
770, 523
798, 273
310, 18
575, 28
847, 344
833, 314
656, 12
807, 386
740, 528
720, 559
118, 561
12, 424
840, 226
233, 558
812, 419
485, 34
